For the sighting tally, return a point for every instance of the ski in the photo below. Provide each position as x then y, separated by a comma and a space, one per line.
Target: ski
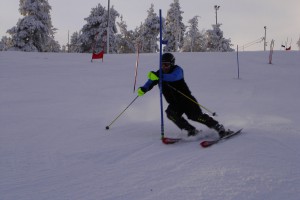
169, 140
208, 143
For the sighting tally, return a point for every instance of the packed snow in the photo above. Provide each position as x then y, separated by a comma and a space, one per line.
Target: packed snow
55, 107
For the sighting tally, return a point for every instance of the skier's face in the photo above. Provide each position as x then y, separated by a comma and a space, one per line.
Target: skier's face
166, 67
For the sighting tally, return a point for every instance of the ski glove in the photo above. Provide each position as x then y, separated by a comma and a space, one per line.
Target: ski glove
140, 92
153, 76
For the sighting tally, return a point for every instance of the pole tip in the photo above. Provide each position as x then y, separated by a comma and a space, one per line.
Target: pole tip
107, 127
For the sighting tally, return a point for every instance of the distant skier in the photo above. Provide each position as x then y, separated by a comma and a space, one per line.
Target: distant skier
179, 97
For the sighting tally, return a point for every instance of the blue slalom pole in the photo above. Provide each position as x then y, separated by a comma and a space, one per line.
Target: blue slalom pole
161, 76
238, 62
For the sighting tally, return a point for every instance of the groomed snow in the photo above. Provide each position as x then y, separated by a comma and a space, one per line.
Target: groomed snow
55, 107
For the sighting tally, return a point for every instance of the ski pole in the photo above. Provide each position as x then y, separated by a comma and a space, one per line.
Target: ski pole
107, 127
213, 113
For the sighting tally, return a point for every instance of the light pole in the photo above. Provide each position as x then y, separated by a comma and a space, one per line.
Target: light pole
217, 8
265, 38
107, 31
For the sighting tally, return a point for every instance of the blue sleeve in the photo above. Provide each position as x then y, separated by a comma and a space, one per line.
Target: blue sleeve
176, 75
149, 85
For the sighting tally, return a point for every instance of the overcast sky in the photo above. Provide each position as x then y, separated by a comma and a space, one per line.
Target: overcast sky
242, 21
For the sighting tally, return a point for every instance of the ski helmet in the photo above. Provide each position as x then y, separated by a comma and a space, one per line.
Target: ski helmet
168, 58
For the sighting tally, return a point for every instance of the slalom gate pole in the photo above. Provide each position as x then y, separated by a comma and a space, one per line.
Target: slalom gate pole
192, 100
136, 66
271, 51
237, 60
107, 127
160, 75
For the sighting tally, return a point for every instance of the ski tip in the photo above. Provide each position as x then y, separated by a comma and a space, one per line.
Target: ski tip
206, 143
239, 131
170, 140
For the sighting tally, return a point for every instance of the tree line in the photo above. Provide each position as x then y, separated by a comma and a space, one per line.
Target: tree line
35, 32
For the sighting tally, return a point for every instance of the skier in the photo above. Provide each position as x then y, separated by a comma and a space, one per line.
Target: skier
179, 98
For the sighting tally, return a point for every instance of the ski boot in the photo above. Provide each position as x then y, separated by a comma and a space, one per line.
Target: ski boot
221, 130
225, 133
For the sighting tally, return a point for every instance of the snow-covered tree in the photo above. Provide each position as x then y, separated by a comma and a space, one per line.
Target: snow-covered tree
64, 49
75, 43
5, 43
174, 28
113, 30
216, 41
34, 32
150, 31
52, 45
138, 37
125, 40
192, 33
94, 32
194, 40
2, 45
298, 43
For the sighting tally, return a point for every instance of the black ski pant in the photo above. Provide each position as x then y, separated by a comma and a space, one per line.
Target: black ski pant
193, 112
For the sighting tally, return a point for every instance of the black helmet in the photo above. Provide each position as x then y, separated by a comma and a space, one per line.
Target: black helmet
168, 58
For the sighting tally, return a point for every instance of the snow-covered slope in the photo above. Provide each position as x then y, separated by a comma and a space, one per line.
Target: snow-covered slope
54, 109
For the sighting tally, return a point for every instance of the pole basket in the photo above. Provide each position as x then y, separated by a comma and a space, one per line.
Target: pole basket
99, 55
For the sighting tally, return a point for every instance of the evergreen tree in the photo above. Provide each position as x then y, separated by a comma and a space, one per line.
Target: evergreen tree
52, 45
215, 40
194, 41
2, 44
75, 43
113, 30
174, 28
193, 32
150, 31
64, 49
94, 32
138, 38
5, 43
34, 32
125, 39
298, 43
